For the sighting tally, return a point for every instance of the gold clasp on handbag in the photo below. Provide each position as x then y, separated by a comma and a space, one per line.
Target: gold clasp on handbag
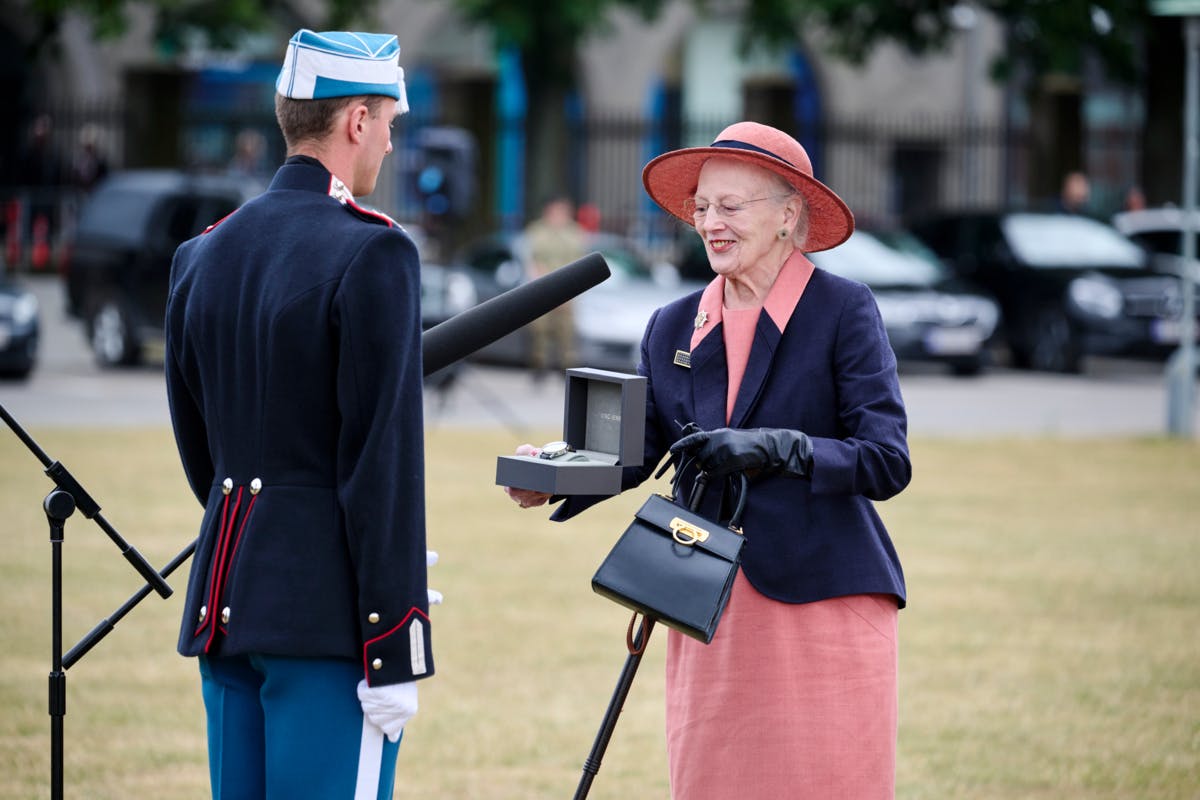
686, 533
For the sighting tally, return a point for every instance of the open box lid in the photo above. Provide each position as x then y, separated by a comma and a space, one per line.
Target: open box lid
605, 412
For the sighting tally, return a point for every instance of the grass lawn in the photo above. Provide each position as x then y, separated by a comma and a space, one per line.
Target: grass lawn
1050, 648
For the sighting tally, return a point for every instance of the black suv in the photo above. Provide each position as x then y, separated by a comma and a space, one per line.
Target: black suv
119, 261
1068, 286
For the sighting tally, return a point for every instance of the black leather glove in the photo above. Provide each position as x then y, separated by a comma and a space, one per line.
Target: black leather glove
768, 450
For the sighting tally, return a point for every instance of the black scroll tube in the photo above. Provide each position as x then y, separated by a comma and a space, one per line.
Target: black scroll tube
493, 319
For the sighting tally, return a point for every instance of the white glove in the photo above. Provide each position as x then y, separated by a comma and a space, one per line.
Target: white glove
389, 707
435, 597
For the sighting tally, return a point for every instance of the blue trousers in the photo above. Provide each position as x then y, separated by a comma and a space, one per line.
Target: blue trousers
291, 729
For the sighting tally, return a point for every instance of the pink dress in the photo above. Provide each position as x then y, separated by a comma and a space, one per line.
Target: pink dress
789, 700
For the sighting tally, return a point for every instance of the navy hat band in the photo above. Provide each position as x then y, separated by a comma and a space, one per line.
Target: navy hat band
736, 145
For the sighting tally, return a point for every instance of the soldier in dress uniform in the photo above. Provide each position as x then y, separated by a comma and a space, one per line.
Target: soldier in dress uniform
294, 374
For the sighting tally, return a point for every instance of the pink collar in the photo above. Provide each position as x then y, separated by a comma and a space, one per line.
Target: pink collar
780, 303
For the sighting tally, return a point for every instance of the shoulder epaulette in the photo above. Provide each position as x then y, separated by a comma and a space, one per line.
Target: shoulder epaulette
370, 215
218, 222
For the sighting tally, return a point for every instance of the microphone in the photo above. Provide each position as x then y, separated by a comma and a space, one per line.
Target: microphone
493, 319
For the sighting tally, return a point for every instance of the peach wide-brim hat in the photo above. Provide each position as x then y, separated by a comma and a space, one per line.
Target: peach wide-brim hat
670, 179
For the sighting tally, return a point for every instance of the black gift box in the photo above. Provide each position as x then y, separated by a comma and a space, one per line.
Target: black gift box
604, 420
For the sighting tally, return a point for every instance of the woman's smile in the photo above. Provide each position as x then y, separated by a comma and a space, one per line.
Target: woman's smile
719, 246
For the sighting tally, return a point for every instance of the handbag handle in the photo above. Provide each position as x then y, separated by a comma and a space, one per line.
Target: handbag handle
701, 485
743, 490
680, 468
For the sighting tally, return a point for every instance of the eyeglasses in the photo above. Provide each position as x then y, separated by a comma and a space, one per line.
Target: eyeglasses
726, 208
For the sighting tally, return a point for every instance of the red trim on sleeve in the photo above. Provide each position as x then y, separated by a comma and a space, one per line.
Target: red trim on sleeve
367, 644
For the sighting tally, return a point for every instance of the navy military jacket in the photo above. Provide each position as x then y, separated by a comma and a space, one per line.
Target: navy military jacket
830, 374
294, 374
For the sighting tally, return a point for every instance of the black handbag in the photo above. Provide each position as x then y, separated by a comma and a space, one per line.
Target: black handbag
674, 565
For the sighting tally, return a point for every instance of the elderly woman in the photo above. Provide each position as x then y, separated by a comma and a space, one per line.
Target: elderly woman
788, 372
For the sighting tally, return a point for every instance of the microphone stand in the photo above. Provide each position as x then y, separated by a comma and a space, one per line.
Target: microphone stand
67, 496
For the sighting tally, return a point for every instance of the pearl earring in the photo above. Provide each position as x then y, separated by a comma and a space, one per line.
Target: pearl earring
783, 233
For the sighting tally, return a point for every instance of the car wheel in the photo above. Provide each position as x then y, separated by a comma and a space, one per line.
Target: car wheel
114, 342
967, 367
20, 373
1053, 344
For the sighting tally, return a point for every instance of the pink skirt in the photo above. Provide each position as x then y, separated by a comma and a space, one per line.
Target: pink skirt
788, 701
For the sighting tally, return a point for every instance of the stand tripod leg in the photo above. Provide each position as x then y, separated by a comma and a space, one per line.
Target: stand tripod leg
628, 673
66, 499
58, 505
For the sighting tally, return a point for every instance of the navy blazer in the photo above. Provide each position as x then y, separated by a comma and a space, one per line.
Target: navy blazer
830, 374
294, 374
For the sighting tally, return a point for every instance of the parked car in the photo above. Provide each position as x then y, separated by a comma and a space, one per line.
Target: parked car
1160, 232
1067, 285
609, 318
119, 259
929, 314
19, 327
445, 292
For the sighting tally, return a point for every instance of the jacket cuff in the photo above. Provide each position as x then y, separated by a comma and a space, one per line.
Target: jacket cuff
402, 653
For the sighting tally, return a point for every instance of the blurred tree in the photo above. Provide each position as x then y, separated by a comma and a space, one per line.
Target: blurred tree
222, 22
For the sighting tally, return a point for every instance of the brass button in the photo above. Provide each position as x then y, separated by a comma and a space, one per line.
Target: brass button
227, 485
225, 614
203, 612
372, 617
377, 664
255, 486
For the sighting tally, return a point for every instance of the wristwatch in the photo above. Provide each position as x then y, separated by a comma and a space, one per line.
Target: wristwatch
555, 449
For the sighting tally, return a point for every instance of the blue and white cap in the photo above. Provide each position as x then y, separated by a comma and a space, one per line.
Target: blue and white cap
342, 64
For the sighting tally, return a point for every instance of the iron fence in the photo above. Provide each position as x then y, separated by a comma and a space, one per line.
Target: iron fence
886, 170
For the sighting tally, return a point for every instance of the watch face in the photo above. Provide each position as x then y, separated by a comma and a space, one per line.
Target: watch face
555, 449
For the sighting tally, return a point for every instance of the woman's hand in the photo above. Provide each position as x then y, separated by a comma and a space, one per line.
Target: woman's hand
769, 450
527, 498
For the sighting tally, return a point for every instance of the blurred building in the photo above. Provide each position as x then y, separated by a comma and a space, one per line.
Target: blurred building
896, 136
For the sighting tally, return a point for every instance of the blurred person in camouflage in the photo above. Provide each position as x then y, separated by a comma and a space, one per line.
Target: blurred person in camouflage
553, 240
